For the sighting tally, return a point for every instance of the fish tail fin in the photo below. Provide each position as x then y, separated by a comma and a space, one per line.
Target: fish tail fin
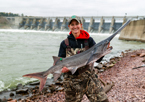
40, 76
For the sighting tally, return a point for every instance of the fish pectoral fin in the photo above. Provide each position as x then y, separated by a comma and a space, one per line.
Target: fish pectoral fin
94, 56
73, 70
56, 59
56, 76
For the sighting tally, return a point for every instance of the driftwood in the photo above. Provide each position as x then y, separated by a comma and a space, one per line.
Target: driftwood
138, 67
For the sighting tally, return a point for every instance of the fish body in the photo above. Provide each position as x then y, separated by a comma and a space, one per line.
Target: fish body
76, 61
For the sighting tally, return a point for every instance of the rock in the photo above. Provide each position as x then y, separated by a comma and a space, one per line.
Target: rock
142, 54
56, 87
101, 70
59, 82
128, 50
4, 100
19, 99
22, 100
19, 86
99, 66
14, 89
13, 100
11, 94
123, 54
61, 78
22, 91
143, 87
133, 55
60, 88
48, 90
113, 62
106, 65
111, 65
9, 99
35, 83
33, 91
138, 54
49, 82
53, 88
143, 60
36, 87
112, 59
45, 89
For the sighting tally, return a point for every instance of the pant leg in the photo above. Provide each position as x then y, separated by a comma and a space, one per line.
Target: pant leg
95, 92
72, 89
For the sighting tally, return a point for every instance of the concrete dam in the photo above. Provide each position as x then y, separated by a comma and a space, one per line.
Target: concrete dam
96, 24
134, 31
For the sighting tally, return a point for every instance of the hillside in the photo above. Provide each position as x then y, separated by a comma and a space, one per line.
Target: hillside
4, 23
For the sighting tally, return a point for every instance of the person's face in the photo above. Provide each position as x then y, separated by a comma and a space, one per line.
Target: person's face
75, 27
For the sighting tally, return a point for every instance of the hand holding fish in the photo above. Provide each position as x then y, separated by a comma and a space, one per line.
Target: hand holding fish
65, 70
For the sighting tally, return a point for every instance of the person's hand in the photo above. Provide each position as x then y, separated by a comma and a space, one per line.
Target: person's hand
108, 45
65, 70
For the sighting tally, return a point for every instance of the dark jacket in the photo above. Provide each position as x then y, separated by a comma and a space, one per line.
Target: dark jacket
74, 43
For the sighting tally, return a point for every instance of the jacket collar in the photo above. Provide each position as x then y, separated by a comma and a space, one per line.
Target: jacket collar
83, 35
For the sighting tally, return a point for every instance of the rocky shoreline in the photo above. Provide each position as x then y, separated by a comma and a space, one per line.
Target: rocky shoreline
31, 90
109, 71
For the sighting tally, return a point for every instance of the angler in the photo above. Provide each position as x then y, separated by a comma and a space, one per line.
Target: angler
76, 61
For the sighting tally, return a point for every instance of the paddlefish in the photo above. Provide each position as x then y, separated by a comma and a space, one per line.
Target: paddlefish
76, 61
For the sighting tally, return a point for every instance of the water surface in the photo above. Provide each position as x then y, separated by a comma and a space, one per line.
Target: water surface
29, 51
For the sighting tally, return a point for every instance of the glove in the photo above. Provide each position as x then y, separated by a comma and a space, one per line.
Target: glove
65, 70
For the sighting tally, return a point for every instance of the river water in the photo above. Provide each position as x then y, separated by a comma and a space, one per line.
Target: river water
29, 51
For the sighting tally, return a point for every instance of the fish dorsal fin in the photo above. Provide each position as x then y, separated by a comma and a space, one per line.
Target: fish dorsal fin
73, 70
56, 59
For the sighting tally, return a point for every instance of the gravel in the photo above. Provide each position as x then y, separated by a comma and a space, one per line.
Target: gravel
129, 83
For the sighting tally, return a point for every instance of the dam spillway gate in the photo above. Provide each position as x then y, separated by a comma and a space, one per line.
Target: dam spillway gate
97, 24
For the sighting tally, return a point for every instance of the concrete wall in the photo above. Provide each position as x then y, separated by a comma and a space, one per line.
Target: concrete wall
135, 30
17, 21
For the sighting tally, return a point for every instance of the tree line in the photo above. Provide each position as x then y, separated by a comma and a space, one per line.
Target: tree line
9, 14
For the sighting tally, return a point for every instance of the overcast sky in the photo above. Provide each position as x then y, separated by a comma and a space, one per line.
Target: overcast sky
74, 7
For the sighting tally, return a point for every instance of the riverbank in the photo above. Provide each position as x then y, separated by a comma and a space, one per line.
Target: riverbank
129, 83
